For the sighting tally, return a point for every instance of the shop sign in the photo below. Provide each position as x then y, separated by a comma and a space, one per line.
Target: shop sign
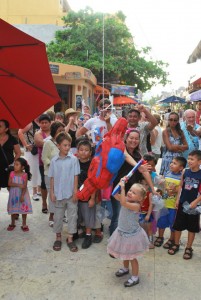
54, 69
72, 75
125, 90
87, 73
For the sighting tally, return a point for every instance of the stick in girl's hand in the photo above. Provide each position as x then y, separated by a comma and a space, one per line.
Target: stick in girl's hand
128, 176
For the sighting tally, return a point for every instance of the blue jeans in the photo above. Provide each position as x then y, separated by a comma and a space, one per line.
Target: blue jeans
116, 209
107, 205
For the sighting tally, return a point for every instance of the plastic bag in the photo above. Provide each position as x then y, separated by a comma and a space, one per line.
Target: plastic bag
158, 202
159, 182
191, 211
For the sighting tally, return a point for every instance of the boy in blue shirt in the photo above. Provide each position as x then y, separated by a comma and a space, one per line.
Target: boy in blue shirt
190, 191
63, 172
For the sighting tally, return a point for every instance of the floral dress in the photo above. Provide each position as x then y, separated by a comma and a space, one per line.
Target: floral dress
169, 155
14, 204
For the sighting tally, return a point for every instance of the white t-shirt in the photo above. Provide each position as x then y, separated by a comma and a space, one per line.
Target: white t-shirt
98, 127
156, 148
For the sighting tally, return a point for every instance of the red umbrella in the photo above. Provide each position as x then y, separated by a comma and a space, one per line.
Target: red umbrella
26, 85
121, 100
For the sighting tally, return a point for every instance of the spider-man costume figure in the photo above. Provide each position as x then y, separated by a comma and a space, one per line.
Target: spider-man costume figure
108, 159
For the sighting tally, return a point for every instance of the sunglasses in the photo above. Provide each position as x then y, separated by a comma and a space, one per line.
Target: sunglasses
173, 120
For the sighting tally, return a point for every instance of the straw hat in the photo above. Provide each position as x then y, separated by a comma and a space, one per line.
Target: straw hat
71, 111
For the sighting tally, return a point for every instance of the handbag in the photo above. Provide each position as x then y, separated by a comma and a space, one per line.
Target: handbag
9, 167
34, 150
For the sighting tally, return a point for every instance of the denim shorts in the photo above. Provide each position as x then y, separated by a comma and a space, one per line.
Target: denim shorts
167, 220
142, 217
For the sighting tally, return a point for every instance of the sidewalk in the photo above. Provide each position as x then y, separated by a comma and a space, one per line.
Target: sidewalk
31, 269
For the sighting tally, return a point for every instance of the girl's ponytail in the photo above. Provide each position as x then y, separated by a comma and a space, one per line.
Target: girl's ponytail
27, 170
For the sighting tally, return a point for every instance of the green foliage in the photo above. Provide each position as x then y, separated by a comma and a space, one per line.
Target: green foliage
81, 44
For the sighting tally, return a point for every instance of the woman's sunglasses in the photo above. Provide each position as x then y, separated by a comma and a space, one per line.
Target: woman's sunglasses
173, 120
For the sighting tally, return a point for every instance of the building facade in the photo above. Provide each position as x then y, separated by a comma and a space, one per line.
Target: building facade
73, 84
34, 11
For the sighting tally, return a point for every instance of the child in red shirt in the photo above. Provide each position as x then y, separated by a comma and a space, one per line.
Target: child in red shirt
146, 218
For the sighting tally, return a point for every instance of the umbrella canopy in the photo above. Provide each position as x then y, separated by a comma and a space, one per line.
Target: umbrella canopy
26, 84
121, 100
196, 96
195, 55
99, 90
172, 99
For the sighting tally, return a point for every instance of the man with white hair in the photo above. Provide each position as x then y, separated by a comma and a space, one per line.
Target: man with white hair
191, 131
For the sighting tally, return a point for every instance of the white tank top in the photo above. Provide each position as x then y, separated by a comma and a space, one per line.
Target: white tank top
156, 148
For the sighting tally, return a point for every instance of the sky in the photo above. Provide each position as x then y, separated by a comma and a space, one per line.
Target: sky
170, 28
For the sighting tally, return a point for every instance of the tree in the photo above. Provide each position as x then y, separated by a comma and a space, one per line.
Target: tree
81, 44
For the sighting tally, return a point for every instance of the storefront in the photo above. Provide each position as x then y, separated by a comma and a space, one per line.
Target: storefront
74, 84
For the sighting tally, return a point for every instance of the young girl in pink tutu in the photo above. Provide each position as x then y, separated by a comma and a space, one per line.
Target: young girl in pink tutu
129, 240
19, 200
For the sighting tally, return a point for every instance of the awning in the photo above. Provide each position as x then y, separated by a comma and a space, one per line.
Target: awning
99, 90
196, 96
195, 55
122, 100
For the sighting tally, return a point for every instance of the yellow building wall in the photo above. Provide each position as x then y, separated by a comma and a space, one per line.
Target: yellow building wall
33, 11
82, 80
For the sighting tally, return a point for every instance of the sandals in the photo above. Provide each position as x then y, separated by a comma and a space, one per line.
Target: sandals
159, 241
72, 246
188, 253
11, 227
57, 245
168, 244
121, 272
44, 210
25, 228
174, 249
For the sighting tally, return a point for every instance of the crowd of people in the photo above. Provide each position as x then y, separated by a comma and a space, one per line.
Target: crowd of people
58, 150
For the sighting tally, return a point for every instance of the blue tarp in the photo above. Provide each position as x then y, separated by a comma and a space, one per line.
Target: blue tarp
172, 99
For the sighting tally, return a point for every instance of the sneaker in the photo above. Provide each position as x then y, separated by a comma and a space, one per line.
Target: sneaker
97, 238
36, 197
87, 242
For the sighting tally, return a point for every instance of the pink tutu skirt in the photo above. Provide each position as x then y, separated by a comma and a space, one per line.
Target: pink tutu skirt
128, 247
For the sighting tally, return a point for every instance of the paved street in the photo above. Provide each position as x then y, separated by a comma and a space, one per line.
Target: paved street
30, 269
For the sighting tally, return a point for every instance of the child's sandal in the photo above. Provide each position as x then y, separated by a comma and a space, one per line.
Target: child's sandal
168, 244
57, 245
121, 272
159, 241
188, 253
174, 249
11, 227
72, 246
25, 228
